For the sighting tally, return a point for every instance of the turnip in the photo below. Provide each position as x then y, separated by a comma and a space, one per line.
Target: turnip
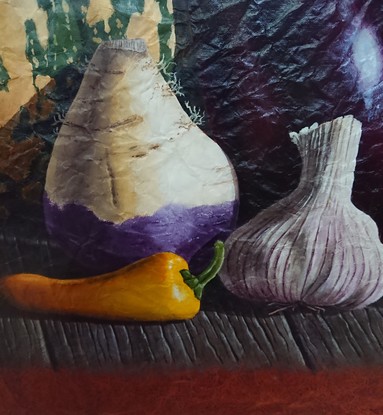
130, 174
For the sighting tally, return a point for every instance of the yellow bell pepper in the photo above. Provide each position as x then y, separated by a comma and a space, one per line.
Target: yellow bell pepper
157, 288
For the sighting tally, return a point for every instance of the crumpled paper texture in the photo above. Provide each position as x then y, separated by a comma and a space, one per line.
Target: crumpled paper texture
263, 68
46, 47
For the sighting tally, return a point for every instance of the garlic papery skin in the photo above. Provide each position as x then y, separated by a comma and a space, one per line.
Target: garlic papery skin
314, 247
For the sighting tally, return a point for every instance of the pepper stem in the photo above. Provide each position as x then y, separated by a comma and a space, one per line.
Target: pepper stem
198, 282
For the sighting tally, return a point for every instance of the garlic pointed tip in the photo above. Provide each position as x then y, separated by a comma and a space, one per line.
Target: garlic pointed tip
294, 137
314, 126
352, 120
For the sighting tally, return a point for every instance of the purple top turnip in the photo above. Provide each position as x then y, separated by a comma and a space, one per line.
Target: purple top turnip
130, 173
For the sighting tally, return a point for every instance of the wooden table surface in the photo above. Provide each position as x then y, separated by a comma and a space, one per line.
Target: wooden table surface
228, 332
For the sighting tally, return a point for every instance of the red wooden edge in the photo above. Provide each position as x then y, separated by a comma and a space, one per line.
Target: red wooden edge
217, 392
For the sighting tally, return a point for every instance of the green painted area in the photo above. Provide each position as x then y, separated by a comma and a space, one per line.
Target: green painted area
165, 30
64, 40
123, 9
4, 76
72, 41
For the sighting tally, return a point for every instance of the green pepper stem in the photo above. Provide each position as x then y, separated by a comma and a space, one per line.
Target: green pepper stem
198, 282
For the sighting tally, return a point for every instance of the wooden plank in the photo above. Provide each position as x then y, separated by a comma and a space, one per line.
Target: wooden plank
246, 339
210, 339
110, 346
22, 343
352, 338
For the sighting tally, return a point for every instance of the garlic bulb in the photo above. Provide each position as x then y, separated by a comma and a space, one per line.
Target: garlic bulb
313, 247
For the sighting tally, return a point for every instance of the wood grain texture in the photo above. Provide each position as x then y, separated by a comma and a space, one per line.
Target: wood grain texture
22, 343
211, 339
330, 340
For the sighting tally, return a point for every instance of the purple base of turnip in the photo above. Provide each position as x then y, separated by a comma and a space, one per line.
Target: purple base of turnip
103, 246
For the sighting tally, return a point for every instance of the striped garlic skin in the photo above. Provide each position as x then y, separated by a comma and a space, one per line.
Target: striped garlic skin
313, 247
